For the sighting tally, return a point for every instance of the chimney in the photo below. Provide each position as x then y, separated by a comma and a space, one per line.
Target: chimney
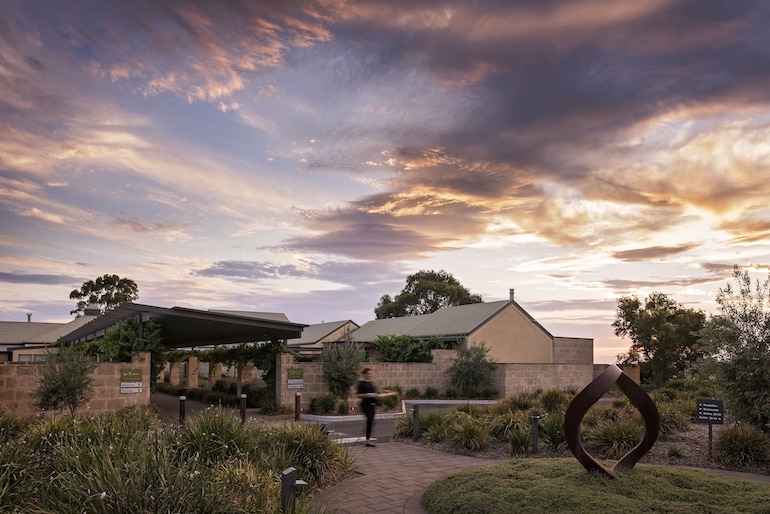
29, 317
510, 293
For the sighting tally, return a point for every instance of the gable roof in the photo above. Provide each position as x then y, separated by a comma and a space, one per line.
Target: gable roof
318, 332
452, 322
182, 327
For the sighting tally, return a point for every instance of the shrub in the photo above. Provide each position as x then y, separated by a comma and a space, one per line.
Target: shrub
472, 370
501, 425
324, 404
412, 393
450, 394
672, 419
11, 426
431, 392
521, 440
215, 436
740, 445
469, 434
317, 457
430, 419
674, 451
552, 429
553, 400
615, 438
65, 381
402, 348
403, 426
340, 365
489, 393
522, 401
343, 408
389, 402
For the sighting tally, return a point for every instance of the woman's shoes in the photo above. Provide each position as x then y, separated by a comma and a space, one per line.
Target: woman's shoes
370, 444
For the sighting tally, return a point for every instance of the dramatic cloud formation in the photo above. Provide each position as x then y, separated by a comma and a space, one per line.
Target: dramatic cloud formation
305, 156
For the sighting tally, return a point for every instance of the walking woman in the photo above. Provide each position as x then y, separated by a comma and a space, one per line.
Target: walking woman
367, 392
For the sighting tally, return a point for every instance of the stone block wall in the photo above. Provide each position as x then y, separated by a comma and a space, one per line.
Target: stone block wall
508, 379
18, 380
405, 375
573, 350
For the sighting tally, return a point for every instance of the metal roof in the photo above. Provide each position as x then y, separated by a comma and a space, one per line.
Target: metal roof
318, 332
182, 327
451, 322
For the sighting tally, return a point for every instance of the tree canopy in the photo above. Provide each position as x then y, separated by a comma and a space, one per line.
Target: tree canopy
738, 341
425, 292
107, 291
664, 335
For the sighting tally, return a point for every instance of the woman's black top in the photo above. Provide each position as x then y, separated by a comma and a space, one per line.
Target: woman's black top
367, 387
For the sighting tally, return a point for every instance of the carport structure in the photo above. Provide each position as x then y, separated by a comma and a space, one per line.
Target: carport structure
182, 327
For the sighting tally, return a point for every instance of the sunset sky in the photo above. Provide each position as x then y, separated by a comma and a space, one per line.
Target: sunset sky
305, 157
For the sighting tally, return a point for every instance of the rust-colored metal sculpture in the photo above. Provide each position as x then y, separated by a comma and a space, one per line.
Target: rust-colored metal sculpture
586, 398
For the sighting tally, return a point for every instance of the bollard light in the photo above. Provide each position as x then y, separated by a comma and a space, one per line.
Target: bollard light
243, 408
297, 403
415, 424
535, 415
182, 400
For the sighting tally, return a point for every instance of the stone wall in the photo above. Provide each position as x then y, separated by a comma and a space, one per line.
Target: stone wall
573, 350
508, 379
517, 378
18, 380
405, 375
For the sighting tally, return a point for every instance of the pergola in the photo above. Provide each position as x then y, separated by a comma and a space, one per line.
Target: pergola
181, 327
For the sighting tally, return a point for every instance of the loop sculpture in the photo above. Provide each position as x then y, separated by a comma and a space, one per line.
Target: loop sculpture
586, 398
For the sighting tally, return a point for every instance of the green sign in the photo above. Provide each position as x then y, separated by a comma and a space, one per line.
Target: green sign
296, 378
130, 375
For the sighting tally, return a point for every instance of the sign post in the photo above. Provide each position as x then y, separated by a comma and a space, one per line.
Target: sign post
711, 412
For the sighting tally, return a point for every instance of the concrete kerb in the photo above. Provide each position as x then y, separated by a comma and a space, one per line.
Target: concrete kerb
352, 417
405, 409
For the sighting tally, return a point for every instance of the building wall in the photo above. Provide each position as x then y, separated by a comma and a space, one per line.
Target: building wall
512, 336
509, 379
573, 350
18, 380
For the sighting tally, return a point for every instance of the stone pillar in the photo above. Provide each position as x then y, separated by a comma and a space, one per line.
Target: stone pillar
174, 374
283, 397
215, 373
192, 372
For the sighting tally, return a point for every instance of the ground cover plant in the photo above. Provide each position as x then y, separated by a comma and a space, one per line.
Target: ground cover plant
128, 461
563, 485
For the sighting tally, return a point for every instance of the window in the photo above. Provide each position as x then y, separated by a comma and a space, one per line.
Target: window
25, 357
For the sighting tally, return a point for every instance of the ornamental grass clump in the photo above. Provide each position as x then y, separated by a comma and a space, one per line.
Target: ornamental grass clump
740, 445
520, 440
501, 425
469, 434
553, 400
552, 429
129, 462
613, 439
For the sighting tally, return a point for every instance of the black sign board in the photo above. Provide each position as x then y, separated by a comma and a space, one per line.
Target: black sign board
710, 411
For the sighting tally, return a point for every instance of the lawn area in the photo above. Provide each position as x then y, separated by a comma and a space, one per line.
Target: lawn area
563, 485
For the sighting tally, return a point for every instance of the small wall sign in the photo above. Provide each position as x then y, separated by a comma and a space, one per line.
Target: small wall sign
296, 378
130, 381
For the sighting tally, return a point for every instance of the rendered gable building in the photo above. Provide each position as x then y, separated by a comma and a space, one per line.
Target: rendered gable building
504, 327
314, 336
